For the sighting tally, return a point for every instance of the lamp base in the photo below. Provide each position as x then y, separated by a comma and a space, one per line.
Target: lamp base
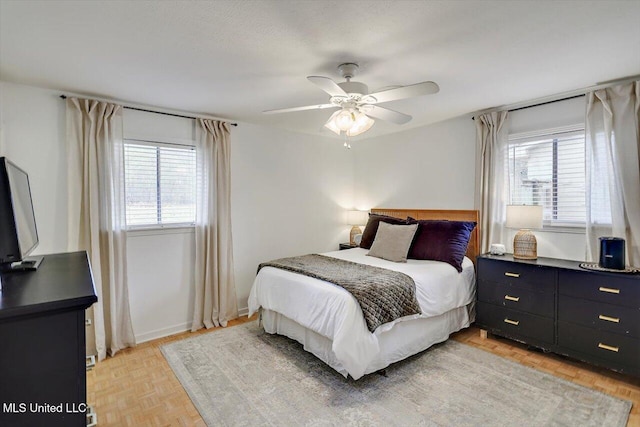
355, 230
525, 245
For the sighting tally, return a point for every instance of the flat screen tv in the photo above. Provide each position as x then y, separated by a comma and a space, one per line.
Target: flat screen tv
18, 232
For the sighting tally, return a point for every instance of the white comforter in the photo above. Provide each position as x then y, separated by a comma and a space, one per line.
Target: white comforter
333, 312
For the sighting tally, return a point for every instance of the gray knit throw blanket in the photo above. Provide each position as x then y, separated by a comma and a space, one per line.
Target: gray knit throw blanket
384, 295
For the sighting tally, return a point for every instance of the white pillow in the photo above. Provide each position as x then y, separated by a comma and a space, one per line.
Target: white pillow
392, 242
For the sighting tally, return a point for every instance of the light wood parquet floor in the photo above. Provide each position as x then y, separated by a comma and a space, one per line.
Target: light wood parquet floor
138, 388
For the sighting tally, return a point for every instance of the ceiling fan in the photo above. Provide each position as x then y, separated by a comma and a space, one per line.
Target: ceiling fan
356, 105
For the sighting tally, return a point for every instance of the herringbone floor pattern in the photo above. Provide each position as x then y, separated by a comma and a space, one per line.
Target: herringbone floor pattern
138, 388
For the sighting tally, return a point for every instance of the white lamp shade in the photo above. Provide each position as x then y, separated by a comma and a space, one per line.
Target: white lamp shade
524, 217
362, 124
357, 217
345, 119
331, 124
351, 122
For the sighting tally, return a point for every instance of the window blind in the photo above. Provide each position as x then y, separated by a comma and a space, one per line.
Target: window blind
160, 184
549, 170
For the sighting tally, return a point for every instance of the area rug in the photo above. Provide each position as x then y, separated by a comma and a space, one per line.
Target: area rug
241, 376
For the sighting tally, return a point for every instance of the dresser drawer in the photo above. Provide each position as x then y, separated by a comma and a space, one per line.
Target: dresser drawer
618, 349
532, 277
608, 288
514, 322
516, 297
606, 317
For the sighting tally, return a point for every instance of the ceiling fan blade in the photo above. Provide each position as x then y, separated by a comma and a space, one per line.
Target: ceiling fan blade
306, 107
418, 89
386, 114
327, 85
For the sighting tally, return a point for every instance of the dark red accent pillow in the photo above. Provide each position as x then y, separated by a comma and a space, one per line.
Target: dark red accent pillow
445, 241
369, 233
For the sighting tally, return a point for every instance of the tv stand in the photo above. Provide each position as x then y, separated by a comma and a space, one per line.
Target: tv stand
42, 339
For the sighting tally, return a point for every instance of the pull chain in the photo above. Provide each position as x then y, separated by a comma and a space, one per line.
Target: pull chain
346, 142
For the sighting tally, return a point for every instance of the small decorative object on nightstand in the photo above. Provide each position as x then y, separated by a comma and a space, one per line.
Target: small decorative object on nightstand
525, 245
497, 249
356, 218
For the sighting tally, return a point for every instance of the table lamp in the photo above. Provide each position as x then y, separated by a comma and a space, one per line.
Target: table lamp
355, 219
524, 218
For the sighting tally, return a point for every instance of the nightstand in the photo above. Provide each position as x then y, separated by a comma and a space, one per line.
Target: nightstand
347, 245
557, 306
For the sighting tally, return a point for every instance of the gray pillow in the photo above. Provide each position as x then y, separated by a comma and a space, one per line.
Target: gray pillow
392, 242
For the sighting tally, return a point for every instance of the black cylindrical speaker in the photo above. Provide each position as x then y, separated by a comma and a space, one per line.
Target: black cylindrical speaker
612, 253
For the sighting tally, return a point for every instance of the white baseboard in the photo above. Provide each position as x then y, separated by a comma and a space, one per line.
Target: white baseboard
163, 332
176, 329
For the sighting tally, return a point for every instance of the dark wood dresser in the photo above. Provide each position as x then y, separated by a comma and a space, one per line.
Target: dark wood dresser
557, 306
42, 342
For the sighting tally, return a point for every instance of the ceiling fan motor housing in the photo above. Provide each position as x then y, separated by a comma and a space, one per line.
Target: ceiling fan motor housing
348, 70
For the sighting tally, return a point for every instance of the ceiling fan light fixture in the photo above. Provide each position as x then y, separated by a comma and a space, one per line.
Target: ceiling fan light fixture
362, 124
356, 105
331, 123
350, 121
345, 119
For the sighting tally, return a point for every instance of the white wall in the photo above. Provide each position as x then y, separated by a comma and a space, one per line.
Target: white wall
160, 267
432, 167
32, 128
289, 195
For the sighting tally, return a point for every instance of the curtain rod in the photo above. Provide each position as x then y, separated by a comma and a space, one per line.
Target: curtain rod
540, 103
564, 96
157, 112
548, 102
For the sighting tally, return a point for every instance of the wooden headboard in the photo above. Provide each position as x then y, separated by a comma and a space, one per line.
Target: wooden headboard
473, 250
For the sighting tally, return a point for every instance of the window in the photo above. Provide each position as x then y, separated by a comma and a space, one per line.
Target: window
160, 184
549, 170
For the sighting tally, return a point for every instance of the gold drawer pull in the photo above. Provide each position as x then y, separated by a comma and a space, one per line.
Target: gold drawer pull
609, 319
512, 322
516, 275
608, 347
609, 290
510, 298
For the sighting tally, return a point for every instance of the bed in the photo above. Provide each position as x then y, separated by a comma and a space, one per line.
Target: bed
329, 323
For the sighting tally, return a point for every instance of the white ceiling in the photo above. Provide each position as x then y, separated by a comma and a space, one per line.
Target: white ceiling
234, 59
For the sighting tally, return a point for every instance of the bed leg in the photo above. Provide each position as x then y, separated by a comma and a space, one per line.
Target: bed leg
483, 334
260, 317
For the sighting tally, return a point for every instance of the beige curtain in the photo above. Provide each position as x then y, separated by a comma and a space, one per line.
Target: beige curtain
215, 293
491, 197
97, 214
613, 168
